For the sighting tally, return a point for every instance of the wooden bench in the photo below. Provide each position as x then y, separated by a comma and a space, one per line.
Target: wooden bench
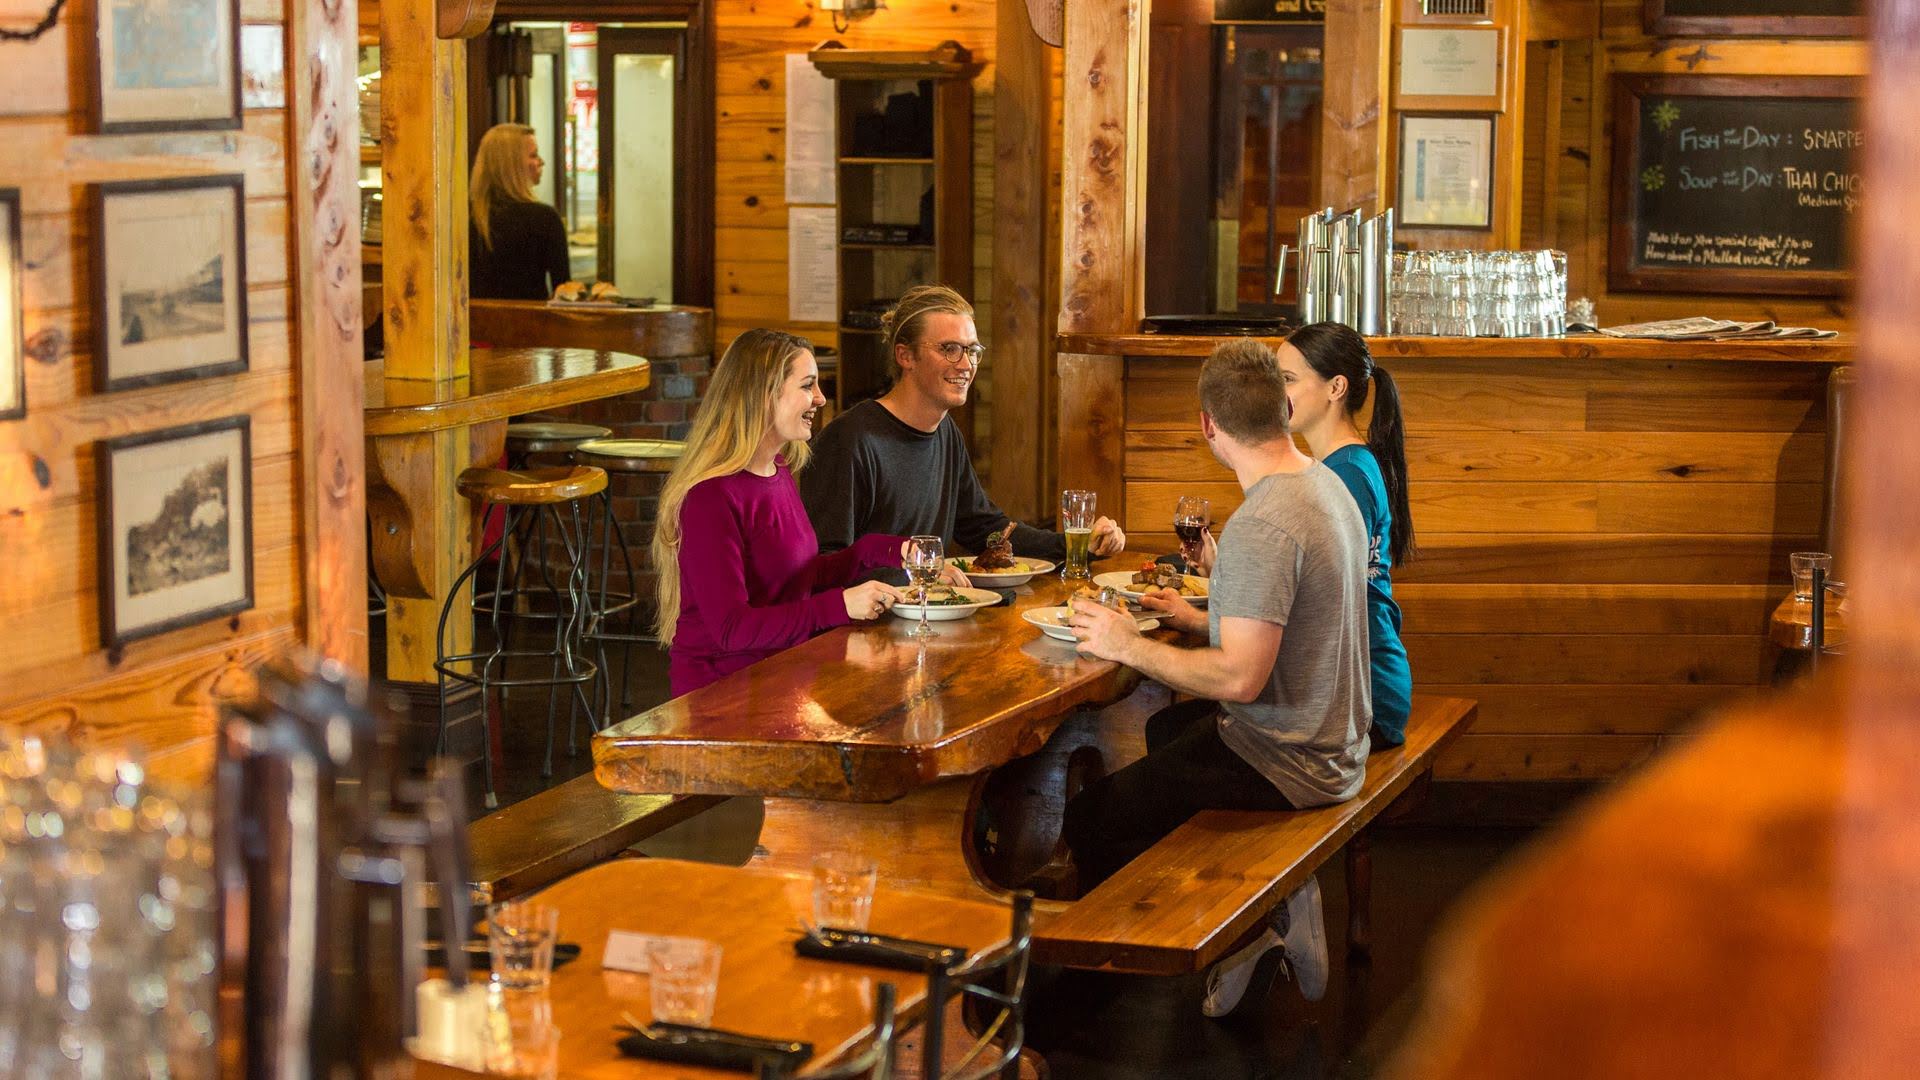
1209, 884
539, 840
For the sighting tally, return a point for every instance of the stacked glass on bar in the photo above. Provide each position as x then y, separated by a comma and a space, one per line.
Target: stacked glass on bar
1478, 294
107, 902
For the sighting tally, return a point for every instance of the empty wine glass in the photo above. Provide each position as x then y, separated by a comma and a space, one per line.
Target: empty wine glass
926, 557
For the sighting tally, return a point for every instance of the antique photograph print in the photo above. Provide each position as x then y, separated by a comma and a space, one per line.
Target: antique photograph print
175, 529
170, 281
167, 65
13, 352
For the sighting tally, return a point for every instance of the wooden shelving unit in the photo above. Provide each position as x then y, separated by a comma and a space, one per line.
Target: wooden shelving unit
905, 122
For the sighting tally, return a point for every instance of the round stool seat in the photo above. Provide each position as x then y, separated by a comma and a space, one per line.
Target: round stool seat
544, 437
632, 455
533, 487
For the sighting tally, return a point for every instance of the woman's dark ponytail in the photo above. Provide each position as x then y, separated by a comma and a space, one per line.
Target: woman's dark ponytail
1333, 349
1387, 438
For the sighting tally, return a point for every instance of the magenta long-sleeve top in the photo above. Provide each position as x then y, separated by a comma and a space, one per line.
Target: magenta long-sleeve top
752, 579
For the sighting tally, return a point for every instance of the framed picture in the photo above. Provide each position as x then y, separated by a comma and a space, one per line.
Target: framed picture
166, 65
176, 528
1449, 68
1446, 171
13, 349
169, 281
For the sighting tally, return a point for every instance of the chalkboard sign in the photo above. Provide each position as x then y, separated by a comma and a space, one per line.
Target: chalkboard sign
1734, 185
1755, 18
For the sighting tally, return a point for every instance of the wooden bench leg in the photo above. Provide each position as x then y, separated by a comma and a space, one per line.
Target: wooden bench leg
1360, 898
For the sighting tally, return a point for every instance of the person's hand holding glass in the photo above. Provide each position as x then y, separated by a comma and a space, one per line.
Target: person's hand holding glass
926, 557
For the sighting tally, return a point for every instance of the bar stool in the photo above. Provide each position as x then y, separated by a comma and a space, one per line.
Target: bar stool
552, 498
529, 437
628, 456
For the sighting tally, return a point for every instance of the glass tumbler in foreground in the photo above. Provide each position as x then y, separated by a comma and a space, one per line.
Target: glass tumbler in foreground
520, 938
926, 557
1076, 520
683, 976
843, 890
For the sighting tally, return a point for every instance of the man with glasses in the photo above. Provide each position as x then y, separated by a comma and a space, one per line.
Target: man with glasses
897, 464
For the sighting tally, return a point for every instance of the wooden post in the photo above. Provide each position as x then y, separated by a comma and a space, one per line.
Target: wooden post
321, 103
1103, 233
423, 164
1352, 138
1022, 341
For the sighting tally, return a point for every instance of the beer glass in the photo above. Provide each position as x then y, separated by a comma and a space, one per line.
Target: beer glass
1076, 520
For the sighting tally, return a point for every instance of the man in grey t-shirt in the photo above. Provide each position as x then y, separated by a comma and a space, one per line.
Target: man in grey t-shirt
1284, 671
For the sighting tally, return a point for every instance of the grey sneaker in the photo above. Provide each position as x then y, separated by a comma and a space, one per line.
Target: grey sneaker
1306, 940
1227, 980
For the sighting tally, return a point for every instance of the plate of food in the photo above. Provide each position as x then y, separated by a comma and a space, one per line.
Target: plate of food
997, 567
1155, 576
945, 602
1052, 621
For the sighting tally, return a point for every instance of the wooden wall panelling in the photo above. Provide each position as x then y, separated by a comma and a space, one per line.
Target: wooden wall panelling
1021, 338
158, 693
1600, 544
1354, 129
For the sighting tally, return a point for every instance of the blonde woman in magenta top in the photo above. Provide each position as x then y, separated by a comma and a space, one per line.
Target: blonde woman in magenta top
516, 244
741, 576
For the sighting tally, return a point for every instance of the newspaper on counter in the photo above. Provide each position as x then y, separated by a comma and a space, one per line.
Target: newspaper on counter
1705, 329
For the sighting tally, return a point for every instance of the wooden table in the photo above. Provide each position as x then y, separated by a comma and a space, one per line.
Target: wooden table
765, 988
834, 728
867, 713
421, 530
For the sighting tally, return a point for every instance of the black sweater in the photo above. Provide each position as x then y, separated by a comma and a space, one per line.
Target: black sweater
528, 259
873, 473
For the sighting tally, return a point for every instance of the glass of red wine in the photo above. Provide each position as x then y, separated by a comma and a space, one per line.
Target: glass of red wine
1191, 516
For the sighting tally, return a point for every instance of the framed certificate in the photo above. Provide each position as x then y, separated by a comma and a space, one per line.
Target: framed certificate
1449, 67
1446, 171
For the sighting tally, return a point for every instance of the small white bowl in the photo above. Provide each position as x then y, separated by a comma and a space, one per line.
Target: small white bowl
1052, 622
976, 599
1004, 579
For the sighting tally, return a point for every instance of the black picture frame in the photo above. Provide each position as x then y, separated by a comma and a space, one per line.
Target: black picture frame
219, 108
112, 369
13, 334
121, 621
1482, 122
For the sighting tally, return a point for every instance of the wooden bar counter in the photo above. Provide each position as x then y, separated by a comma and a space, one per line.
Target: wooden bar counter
1602, 526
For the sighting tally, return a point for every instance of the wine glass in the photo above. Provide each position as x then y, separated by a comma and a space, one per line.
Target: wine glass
926, 557
1191, 515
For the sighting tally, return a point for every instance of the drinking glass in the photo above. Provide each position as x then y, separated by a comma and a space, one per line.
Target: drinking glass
1804, 563
1191, 515
1076, 520
843, 890
683, 976
520, 937
926, 557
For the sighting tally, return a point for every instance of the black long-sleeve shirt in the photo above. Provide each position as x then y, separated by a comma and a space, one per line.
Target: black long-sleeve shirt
528, 257
874, 473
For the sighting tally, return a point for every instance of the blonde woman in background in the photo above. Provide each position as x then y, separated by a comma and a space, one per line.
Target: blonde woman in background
739, 568
517, 245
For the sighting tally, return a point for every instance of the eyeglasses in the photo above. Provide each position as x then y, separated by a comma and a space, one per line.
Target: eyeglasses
955, 351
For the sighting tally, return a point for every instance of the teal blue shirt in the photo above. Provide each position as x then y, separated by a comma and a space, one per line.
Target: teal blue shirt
1392, 676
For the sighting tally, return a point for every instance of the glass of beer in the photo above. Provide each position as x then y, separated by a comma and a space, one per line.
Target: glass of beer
1076, 520
1191, 516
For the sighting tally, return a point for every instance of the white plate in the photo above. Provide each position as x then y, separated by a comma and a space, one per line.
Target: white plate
1048, 619
1004, 579
1122, 582
977, 599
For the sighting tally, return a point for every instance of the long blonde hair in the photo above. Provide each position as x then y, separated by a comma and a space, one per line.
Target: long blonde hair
499, 174
733, 417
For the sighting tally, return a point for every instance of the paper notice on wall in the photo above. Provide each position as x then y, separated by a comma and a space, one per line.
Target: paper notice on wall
810, 135
813, 278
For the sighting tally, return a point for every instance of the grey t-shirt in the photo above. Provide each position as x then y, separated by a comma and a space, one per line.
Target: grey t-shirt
1295, 554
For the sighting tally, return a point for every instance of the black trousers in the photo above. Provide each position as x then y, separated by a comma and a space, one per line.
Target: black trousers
1187, 769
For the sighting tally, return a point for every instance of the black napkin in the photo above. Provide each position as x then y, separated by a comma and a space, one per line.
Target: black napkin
712, 1048
876, 950
481, 959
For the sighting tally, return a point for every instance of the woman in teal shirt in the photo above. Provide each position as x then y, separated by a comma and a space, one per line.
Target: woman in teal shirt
1329, 374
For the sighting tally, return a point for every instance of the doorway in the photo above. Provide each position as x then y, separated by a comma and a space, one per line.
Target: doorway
623, 114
